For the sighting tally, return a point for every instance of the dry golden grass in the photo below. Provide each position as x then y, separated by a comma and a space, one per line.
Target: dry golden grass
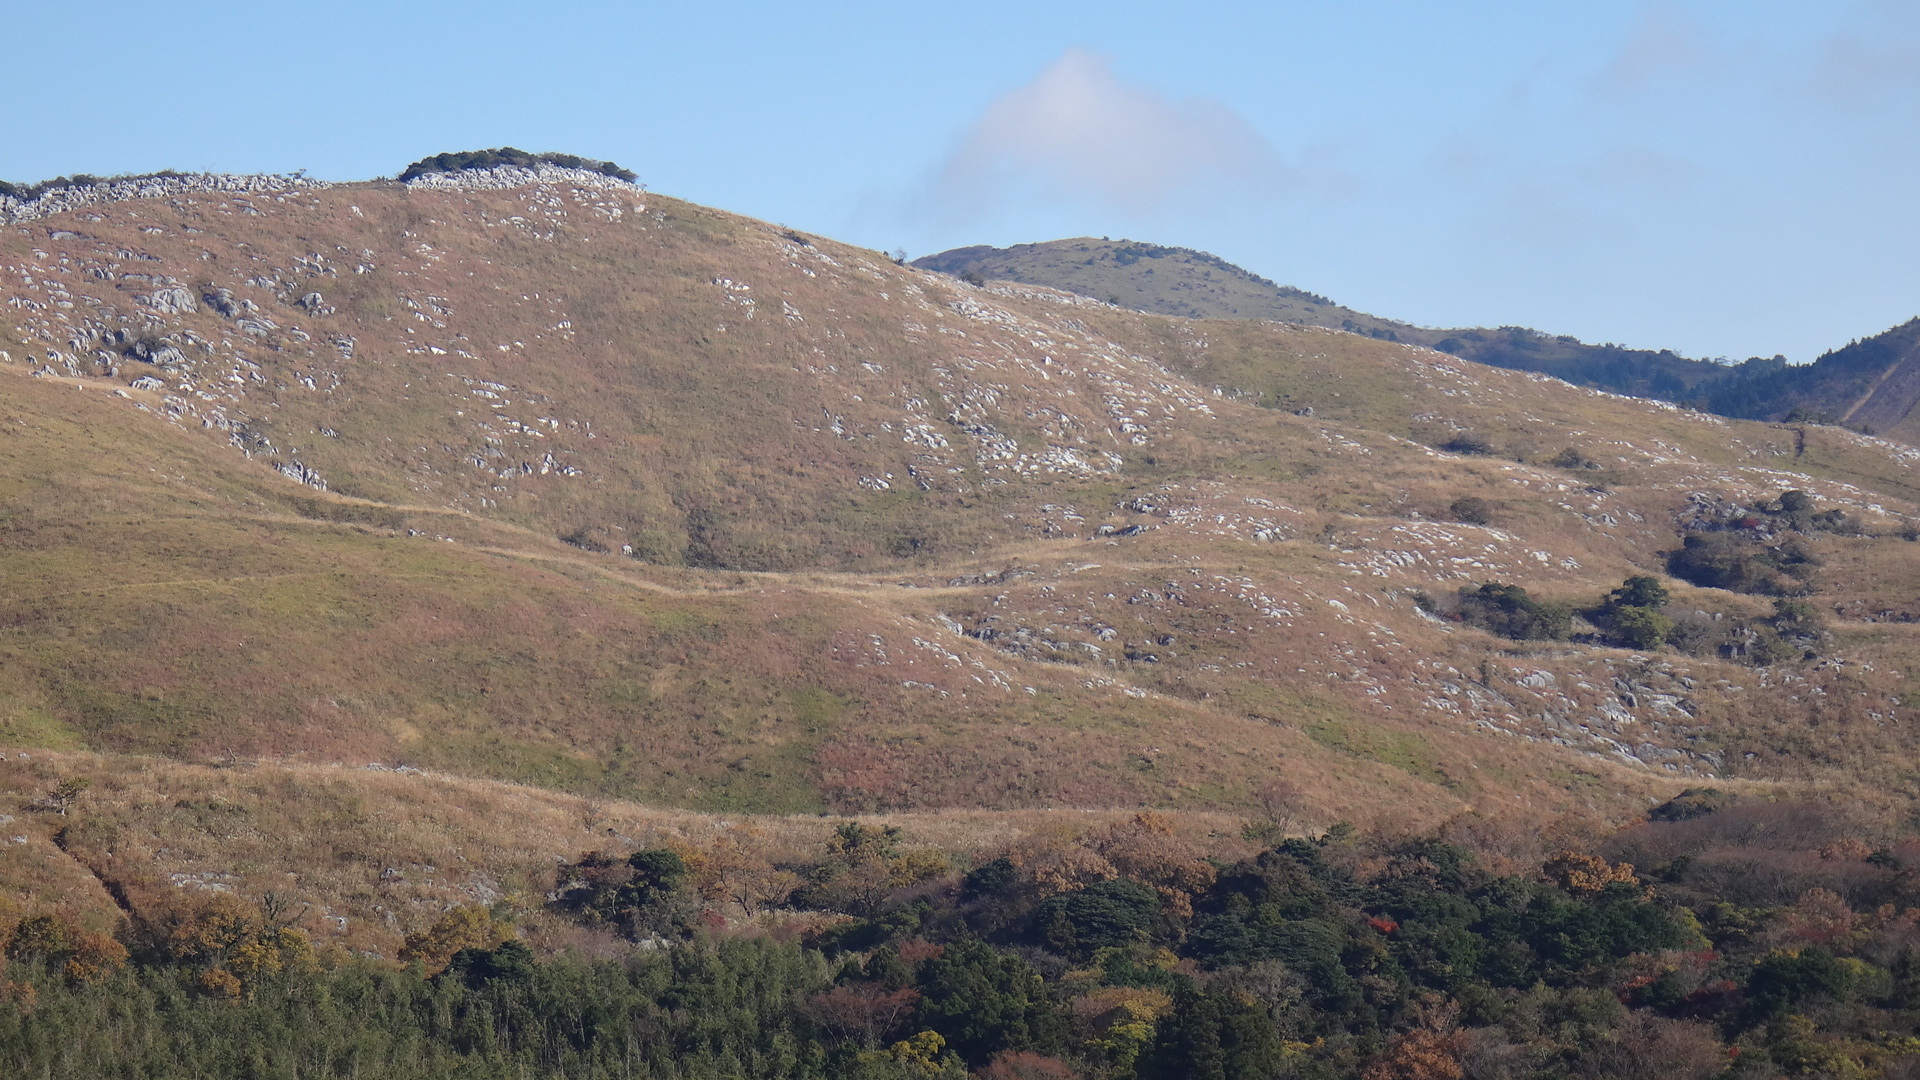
378, 853
228, 615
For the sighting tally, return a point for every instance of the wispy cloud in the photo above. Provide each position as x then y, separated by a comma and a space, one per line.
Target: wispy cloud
1876, 57
1665, 42
1076, 133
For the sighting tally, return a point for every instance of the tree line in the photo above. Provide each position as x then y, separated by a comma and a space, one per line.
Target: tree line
1719, 937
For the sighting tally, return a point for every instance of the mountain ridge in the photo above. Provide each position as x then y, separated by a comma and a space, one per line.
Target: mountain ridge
1873, 384
1119, 271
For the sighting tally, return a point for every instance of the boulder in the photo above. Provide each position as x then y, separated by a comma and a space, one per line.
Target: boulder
172, 301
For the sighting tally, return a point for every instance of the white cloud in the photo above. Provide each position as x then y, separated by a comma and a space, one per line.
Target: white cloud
1076, 133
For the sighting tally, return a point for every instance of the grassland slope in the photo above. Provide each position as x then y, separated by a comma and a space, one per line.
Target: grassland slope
542, 478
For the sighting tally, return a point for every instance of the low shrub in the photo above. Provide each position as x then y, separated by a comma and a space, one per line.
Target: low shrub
1467, 442
1510, 611
1472, 510
463, 161
1745, 563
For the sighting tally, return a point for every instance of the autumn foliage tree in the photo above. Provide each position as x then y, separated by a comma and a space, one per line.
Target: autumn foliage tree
739, 870
80, 953
1027, 1065
1588, 875
235, 945
865, 1011
468, 926
1421, 1055
1145, 848
864, 866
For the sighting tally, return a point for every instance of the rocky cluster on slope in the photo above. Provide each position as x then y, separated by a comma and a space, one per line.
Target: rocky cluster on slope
120, 189
505, 177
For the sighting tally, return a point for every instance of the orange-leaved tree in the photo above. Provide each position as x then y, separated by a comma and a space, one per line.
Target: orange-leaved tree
238, 946
82, 954
1587, 875
469, 926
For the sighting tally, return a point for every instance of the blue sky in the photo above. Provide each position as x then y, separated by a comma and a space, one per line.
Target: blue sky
1724, 179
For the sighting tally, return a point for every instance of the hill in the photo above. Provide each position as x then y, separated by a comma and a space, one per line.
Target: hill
530, 476
1181, 281
1150, 277
1872, 385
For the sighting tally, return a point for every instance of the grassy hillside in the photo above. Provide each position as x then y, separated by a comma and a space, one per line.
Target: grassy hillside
228, 613
725, 651
380, 852
564, 484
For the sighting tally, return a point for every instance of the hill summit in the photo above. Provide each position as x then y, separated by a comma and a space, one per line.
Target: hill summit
1152, 277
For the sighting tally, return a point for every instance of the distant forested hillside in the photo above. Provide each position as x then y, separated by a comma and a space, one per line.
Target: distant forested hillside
1856, 385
